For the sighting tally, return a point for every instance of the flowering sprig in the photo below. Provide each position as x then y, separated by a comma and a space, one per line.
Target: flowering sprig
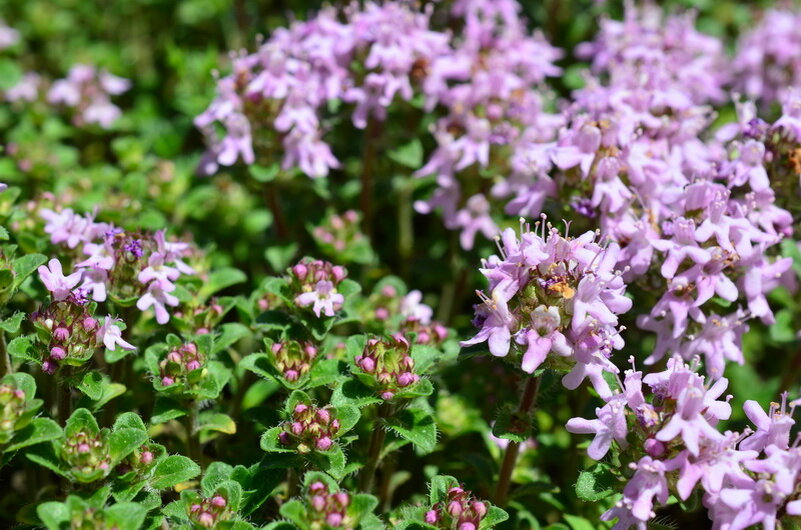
314, 432
315, 284
186, 369
555, 300
125, 267
341, 238
325, 505
87, 91
91, 512
387, 367
19, 425
451, 506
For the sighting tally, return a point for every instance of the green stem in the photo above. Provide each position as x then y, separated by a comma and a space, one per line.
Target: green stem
405, 229
64, 396
374, 450
192, 426
5, 361
368, 161
513, 449
292, 483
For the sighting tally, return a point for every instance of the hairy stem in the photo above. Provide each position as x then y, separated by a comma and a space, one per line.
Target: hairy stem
374, 450
5, 361
192, 426
525, 408
64, 397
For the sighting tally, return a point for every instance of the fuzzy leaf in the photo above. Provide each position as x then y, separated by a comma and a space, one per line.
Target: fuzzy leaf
173, 470
38, 431
416, 425
123, 441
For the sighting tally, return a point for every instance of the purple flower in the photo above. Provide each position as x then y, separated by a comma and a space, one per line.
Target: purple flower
53, 278
610, 425
323, 298
110, 335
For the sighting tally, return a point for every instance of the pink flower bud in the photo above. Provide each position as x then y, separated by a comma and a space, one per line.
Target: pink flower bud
339, 273
318, 503
382, 313
49, 367
19, 394
291, 375
284, 438
174, 357
406, 379
193, 365
195, 508
83, 448
146, 457
654, 447
323, 415
57, 353
61, 334
310, 350
103, 466
206, 519
218, 501
300, 271
317, 487
455, 508
335, 425
386, 396
203, 331
297, 428
389, 291
89, 324
167, 380
276, 347
342, 498
480, 508
432, 517
300, 408
324, 443
334, 519
190, 348
467, 526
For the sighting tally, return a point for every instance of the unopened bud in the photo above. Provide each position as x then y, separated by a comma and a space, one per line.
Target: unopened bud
146, 457
480, 508
324, 443
334, 519
61, 334
57, 353
218, 501
89, 324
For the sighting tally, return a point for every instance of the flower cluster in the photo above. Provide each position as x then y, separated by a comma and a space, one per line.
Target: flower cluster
289, 81
458, 510
315, 282
86, 455
208, 512
665, 423
292, 358
68, 326
88, 92
182, 365
387, 365
328, 507
311, 428
405, 314
553, 294
120, 264
139, 461
768, 59
490, 87
339, 234
13, 403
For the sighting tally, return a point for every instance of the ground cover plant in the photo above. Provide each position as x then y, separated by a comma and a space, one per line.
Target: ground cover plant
461, 264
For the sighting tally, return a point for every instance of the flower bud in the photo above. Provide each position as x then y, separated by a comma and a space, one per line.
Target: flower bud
167, 381
300, 271
193, 365
323, 415
480, 508
174, 357
318, 503
405, 379
432, 517
49, 367
297, 428
61, 334
654, 447
206, 520
387, 395
467, 526
300, 408
334, 519
324, 443
342, 498
283, 438
367, 364
455, 508
146, 457
57, 353
291, 375
219, 501
89, 324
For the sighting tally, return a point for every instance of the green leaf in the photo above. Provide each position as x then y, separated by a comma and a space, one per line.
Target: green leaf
21, 348
219, 280
217, 421
269, 441
279, 256
596, 483
165, 410
494, 516
348, 417
216, 474
264, 174
232, 333
409, 155
122, 442
129, 420
11, 324
173, 470
92, 385
38, 431
54, 515
81, 421
295, 511
512, 425
126, 515
25, 265
331, 461
354, 392
416, 425
578, 523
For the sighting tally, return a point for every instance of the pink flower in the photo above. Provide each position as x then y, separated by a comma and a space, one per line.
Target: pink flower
110, 335
323, 298
53, 278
